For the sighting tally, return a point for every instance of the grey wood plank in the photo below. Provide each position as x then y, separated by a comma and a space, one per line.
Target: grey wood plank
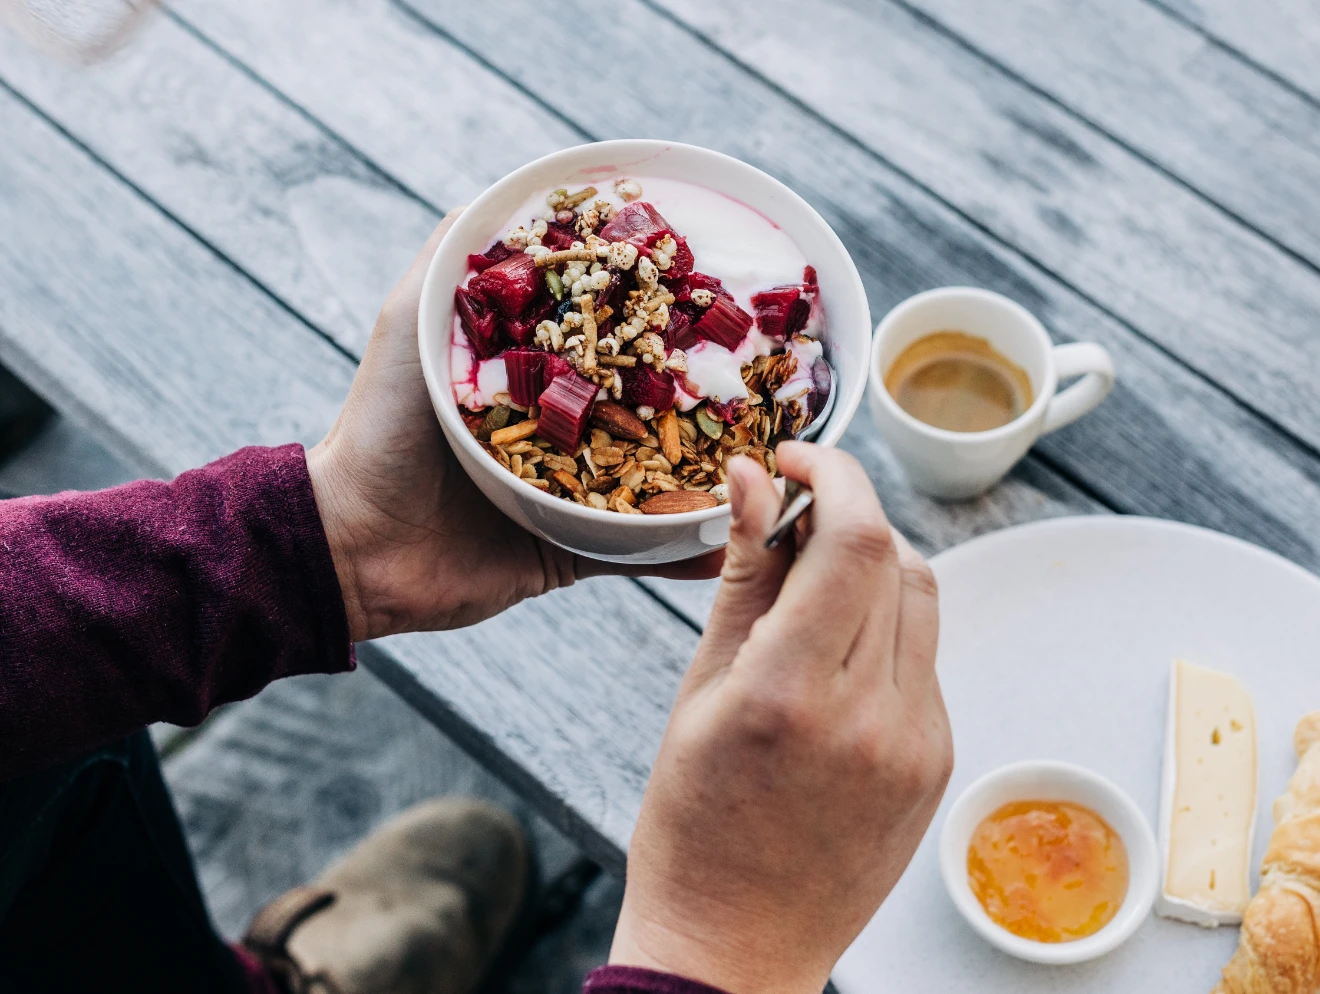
1282, 36
263, 224
1167, 443
1162, 88
115, 313
122, 320
282, 197
420, 106
1153, 253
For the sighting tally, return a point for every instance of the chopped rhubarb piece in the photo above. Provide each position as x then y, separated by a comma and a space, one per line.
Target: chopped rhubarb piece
681, 332
479, 323
782, 311
729, 413
525, 368
643, 386
638, 223
558, 236
510, 285
724, 323
565, 409
496, 253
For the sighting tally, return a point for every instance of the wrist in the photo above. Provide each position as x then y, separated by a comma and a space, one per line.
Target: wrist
332, 504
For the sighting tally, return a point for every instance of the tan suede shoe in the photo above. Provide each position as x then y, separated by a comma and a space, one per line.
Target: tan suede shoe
421, 906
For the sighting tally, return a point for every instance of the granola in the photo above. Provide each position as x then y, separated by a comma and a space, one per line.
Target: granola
608, 371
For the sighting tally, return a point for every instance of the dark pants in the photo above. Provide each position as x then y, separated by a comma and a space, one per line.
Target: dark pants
97, 889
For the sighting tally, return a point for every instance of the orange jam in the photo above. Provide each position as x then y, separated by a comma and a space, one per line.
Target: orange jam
1048, 870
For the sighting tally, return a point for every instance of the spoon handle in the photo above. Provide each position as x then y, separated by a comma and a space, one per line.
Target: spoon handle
797, 499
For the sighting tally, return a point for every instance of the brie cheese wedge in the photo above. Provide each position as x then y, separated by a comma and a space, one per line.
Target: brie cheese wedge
1207, 798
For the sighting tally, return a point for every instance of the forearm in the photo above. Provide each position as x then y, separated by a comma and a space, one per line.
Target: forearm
158, 601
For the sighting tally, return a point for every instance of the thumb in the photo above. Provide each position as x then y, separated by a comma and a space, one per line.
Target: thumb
752, 574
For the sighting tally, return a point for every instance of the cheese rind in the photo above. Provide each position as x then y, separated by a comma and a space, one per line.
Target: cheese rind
1208, 798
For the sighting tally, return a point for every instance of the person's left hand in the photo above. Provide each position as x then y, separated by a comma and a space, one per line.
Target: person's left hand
416, 545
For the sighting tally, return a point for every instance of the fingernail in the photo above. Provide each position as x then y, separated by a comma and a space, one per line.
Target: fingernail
737, 494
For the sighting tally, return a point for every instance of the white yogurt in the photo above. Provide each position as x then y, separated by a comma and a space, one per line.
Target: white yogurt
744, 249
800, 383
476, 381
714, 372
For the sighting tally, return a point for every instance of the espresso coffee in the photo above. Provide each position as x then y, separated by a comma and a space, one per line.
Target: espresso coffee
958, 382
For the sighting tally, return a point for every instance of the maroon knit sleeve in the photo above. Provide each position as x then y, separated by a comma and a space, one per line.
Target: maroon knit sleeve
158, 601
635, 980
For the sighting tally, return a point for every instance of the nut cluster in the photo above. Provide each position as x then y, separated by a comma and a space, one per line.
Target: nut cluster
659, 464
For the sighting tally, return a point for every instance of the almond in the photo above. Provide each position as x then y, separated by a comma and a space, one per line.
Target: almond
618, 421
678, 501
670, 440
568, 481
514, 433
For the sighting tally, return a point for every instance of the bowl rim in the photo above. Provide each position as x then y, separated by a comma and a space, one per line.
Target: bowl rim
634, 151
1141, 892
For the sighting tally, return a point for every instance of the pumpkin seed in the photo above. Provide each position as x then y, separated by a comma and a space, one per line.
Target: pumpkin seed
497, 418
555, 284
709, 424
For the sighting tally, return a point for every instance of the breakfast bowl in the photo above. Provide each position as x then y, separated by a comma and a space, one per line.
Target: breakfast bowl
636, 538
1051, 782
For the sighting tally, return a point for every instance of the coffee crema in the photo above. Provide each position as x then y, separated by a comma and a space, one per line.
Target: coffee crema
958, 382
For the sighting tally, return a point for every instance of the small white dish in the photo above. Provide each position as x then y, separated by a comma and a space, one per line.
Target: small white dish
634, 538
1046, 780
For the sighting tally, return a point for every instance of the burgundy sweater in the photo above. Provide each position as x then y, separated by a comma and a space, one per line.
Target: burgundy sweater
159, 601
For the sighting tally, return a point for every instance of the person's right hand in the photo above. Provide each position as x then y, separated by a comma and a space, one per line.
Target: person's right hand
807, 751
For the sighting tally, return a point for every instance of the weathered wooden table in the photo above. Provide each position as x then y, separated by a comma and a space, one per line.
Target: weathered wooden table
195, 236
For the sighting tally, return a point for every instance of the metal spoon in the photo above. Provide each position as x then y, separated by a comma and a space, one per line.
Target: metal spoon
797, 498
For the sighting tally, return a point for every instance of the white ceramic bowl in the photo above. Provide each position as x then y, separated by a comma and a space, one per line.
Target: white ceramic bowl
634, 538
1051, 781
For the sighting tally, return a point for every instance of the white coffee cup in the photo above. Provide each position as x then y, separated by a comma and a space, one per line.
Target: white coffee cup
953, 465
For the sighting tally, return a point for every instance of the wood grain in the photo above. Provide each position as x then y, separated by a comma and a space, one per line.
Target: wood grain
1226, 302
1282, 36
1162, 88
408, 99
266, 187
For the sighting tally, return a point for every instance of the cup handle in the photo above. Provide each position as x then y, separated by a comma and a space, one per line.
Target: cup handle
1092, 363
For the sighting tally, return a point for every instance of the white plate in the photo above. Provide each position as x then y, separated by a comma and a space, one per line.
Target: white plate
1055, 643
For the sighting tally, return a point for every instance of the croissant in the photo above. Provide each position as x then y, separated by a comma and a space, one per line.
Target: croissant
1279, 945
